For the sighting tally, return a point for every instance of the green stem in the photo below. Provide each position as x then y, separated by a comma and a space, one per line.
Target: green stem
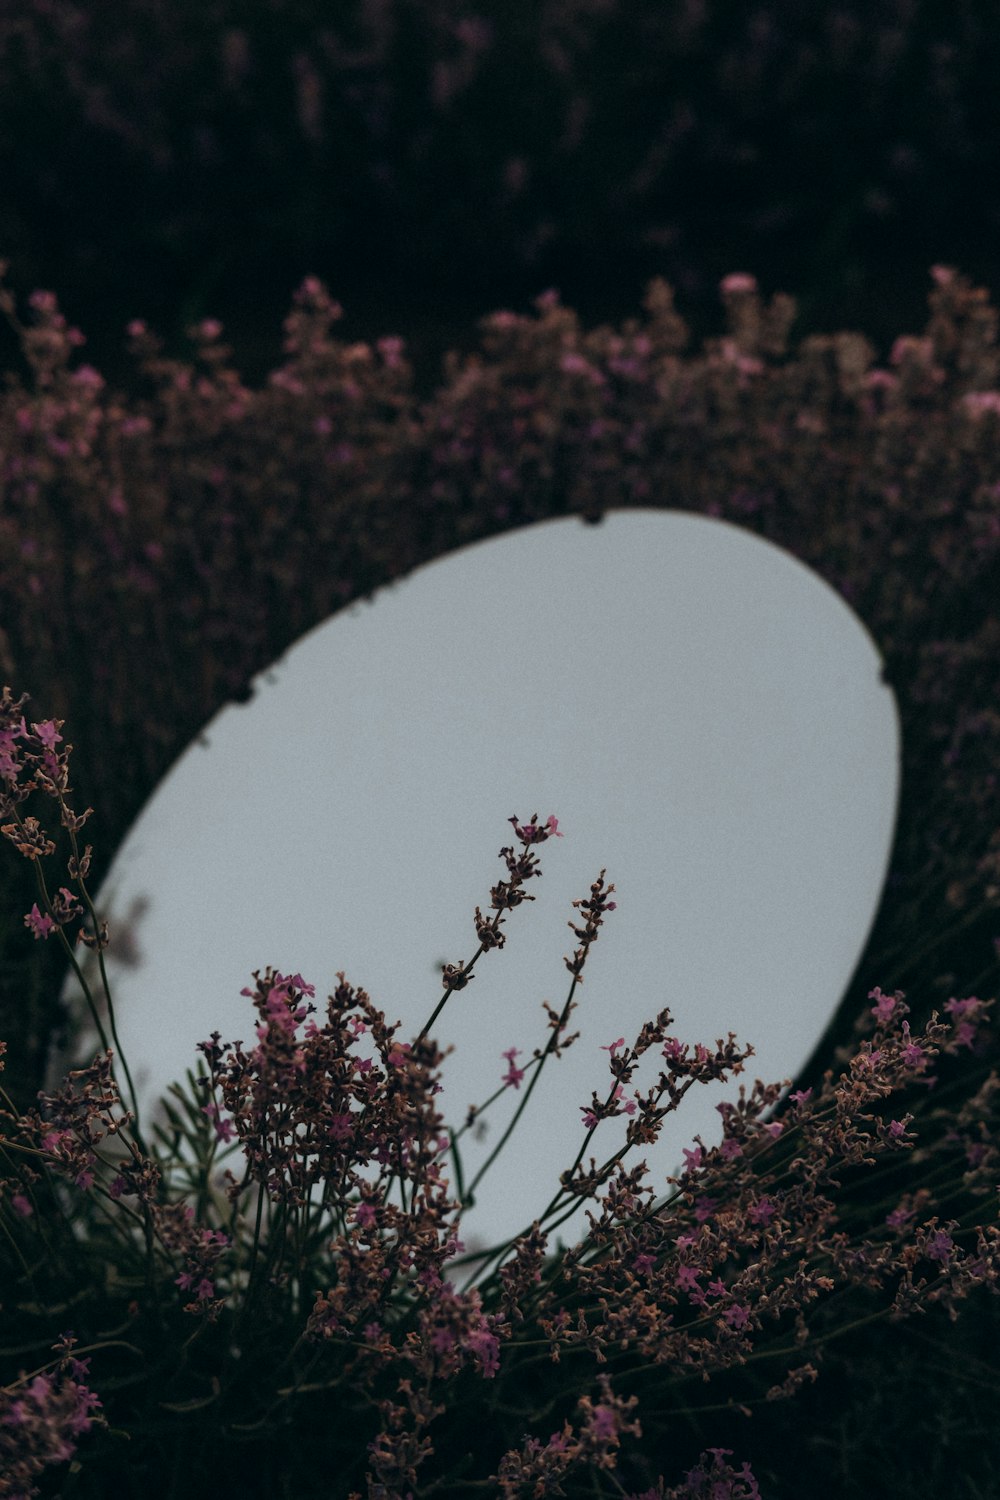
522, 1106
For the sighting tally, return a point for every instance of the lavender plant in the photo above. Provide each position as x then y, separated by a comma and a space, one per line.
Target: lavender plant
270, 1292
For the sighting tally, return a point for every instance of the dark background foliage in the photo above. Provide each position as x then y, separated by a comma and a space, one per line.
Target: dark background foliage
430, 158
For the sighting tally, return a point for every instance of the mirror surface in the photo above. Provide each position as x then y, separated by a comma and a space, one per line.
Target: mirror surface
702, 713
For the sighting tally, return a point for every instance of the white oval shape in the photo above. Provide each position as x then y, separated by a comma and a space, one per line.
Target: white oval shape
702, 713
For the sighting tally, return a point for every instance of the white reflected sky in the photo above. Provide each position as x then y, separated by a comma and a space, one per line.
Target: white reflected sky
702, 713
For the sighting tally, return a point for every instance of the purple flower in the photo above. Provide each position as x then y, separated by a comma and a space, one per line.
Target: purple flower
939, 1246
223, 1128
884, 1006
513, 1074
40, 924
761, 1211
738, 283
341, 1126
602, 1424
485, 1346
46, 732
365, 1215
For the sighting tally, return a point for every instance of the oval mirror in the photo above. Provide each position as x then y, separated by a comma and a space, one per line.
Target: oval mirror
701, 712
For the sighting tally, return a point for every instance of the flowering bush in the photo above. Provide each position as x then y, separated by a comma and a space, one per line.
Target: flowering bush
273, 1291
182, 532
187, 530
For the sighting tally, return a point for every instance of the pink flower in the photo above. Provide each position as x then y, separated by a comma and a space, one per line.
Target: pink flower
738, 282
912, 1053
46, 732
20, 1204
761, 1211
57, 1140
612, 1047
485, 1346
535, 833
978, 403
884, 1005
341, 1126
40, 925
442, 1340
223, 1128
968, 1014
513, 1075
939, 1246
737, 1316
391, 350
365, 1215
602, 1424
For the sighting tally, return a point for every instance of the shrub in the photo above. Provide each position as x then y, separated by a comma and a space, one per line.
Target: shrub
186, 531
274, 1291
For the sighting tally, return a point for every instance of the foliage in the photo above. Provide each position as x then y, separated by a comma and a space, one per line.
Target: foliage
182, 531
185, 531
272, 1294
836, 147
